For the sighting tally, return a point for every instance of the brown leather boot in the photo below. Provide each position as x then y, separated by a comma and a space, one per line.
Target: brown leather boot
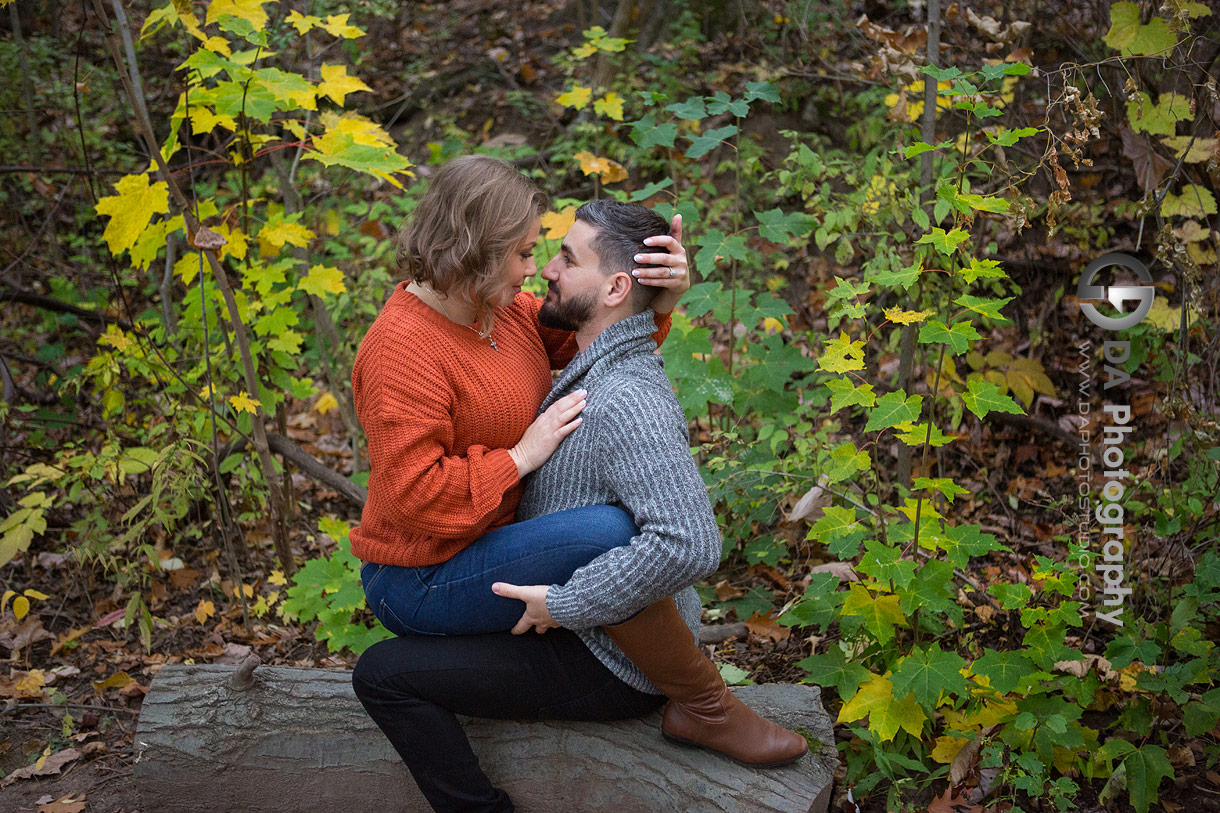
702, 711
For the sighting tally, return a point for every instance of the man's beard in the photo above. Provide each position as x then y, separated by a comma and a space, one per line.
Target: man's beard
567, 314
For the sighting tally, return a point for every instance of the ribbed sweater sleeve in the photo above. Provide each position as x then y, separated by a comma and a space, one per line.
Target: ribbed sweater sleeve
645, 458
406, 414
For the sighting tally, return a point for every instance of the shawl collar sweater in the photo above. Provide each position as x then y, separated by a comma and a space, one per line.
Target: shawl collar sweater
632, 450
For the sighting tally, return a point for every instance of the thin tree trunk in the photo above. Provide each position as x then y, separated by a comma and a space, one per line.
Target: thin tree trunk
927, 198
27, 88
145, 129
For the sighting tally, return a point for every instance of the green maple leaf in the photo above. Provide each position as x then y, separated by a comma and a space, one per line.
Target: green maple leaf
945, 242
987, 307
777, 225
704, 143
647, 133
256, 100
1010, 596
902, 278
966, 541
984, 397
944, 485
883, 563
1202, 715
836, 521
716, 243
833, 669
650, 189
1004, 670
886, 712
982, 269
927, 673
958, 336
916, 434
844, 393
931, 590
1146, 767
845, 461
692, 109
276, 322
881, 613
842, 355
1006, 138
892, 409
761, 90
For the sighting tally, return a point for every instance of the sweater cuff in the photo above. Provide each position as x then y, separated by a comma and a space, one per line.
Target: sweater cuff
563, 609
502, 468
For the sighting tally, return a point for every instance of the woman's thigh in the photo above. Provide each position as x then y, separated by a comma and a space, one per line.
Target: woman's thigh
455, 598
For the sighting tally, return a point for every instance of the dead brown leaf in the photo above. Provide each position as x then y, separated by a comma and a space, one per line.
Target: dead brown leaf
72, 803
29, 631
1150, 167
843, 570
765, 626
48, 767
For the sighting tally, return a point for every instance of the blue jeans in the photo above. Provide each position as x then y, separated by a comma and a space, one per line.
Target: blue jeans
455, 598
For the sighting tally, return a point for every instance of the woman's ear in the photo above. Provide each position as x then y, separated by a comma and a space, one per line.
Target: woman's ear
618, 290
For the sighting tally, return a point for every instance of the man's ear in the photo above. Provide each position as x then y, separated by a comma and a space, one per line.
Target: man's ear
618, 289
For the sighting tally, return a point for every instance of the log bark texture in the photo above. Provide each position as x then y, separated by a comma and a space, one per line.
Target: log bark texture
299, 740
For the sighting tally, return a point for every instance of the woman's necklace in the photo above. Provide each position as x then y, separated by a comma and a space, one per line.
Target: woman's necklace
474, 330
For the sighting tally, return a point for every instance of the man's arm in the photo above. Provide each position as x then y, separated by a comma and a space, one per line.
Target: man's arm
643, 450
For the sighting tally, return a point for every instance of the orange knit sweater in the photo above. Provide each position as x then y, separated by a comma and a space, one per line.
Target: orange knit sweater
440, 409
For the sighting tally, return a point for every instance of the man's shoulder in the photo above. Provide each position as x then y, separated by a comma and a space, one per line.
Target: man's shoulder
635, 380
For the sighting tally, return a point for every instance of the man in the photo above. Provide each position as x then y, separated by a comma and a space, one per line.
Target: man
632, 609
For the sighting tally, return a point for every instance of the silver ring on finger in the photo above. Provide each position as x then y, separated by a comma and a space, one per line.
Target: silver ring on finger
673, 272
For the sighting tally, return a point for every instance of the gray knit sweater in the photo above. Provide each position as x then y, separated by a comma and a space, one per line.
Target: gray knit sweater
632, 450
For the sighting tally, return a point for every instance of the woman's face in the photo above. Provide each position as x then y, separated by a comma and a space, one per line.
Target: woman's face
519, 266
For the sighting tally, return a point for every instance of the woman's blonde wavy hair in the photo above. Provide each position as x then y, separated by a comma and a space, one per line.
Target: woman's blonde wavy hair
477, 210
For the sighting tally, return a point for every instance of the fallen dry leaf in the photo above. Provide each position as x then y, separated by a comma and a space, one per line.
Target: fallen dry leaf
843, 570
49, 767
765, 626
19, 636
72, 803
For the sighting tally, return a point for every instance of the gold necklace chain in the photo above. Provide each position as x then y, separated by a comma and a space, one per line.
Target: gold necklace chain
444, 310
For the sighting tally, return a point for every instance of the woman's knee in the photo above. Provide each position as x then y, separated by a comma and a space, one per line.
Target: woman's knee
612, 525
379, 665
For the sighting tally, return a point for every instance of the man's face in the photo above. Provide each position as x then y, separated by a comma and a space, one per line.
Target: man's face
575, 281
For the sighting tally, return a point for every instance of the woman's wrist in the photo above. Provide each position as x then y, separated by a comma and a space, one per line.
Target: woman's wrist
523, 467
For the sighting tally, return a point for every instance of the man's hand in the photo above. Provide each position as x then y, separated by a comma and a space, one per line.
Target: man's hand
672, 275
536, 614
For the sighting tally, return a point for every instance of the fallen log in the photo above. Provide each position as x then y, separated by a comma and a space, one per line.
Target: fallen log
298, 739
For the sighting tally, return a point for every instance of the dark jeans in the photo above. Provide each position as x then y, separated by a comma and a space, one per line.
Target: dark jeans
455, 598
412, 687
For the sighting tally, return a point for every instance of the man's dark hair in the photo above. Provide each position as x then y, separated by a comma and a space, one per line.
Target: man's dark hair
621, 229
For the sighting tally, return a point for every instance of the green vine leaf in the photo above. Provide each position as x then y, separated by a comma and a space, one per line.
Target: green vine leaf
704, 143
844, 393
1146, 767
959, 336
1003, 670
944, 485
1130, 38
881, 613
833, 669
647, 133
946, 242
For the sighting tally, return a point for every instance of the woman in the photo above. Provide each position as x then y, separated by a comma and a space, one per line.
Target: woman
447, 384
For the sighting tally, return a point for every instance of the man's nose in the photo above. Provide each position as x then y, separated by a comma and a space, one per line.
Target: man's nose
549, 272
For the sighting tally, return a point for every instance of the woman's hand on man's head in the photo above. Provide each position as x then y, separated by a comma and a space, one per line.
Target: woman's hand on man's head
671, 272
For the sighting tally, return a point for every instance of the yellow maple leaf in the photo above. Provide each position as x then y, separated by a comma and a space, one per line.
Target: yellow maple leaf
217, 45
558, 224
886, 713
326, 402
773, 325
323, 279
244, 403
902, 317
293, 234
303, 23
336, 25
205, 610
204, 120
131, 210
610, 171
947, 748
277, 576
610, 105
337, 83
249, 10
575, 98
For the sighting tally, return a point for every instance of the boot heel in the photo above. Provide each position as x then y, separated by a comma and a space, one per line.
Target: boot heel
685, 743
